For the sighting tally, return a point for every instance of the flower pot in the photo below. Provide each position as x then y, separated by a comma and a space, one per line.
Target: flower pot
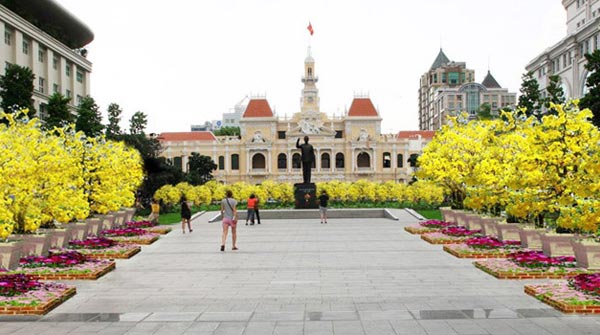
587, 253
120, 218
10, 253
80, 230
447, 214
130, 212
34, 244
94, 226
508, 231
531, 238
473, 221
488, 226
460, 218
61, 236
557, 245
108, 221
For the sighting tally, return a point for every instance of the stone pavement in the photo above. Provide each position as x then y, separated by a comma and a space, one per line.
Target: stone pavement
351, 276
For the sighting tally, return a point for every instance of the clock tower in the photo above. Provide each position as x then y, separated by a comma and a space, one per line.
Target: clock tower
310, 94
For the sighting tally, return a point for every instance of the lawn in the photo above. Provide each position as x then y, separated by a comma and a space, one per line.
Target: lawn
434, 214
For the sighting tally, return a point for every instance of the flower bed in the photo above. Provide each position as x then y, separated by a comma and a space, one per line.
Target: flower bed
130, 235
102, 248
23, 294
530, 265
151, 227
565, 297
161, 230
70, 265
427, 226
450, 235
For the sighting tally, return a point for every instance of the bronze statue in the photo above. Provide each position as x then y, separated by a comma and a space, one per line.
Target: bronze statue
308, 157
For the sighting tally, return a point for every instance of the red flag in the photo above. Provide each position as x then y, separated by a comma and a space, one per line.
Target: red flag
310, 29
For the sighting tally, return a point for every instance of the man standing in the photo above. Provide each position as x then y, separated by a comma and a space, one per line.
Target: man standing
308, 157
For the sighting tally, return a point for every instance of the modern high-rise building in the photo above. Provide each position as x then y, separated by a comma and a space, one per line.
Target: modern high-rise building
45, 37
566, 58
448, 88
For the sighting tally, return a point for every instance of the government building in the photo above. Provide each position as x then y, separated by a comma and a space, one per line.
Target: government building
566, 58
347, 148
45, 37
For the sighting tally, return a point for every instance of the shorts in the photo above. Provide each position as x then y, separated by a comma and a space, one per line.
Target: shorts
229, 222
323, 209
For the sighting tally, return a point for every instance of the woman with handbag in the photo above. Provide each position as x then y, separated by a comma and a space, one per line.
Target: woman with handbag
230, 218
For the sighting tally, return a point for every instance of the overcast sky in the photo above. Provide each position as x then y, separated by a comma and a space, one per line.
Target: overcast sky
183, 62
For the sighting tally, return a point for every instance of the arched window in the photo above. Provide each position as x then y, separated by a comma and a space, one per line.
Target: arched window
339, 160
258, 161
281, 161
325, 161
387, 160
310, 72
221, 162
296, 161
399, 161
235, 162
412, 160
363, 160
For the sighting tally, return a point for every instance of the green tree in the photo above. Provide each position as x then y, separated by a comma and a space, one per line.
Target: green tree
200, 169
58, 113
530, 97
485, 112
16, 89
138, 123
227, 131
591, 99
113, 130
556, 94
89, 119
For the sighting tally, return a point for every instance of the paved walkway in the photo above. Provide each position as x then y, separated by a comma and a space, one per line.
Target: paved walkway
351, 276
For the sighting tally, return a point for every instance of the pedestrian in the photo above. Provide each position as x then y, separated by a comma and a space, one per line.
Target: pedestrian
186, 215
256, 210
250, 214
230, 218
155, 213
323, 200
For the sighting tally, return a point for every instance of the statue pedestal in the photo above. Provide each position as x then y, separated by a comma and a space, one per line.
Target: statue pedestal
305, 196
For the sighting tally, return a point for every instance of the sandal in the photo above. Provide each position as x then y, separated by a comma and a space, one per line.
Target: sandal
222, 248
234, 248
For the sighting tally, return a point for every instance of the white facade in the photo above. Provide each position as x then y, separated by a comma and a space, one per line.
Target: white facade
566, 58
56, 67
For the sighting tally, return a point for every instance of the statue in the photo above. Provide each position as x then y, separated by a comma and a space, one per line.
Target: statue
258, 137
308, 157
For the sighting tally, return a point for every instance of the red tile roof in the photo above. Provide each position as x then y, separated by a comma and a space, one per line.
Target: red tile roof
187, 136
362, 107
415, 133
258, 108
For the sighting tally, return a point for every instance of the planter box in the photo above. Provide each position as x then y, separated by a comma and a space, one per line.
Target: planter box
463, 251
99, 254
142, 240
587, 253
163, 230
473, 221
489, 226
120, 218
40, 309
531, 238
518, 272
61, 236
460, 217
554, 245
94, 226
100, 271
130, 212
10, 254
34, 244
108, 221
80, 230
447, 214
545, 293
508, 231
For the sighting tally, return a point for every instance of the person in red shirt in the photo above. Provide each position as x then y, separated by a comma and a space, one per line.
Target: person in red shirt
251, 205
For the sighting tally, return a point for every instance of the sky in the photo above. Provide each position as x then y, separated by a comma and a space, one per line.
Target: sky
184, 62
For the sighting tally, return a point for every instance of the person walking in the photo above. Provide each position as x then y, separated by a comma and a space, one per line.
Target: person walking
230, 218
186, 215
323, 201
251, 205
256, 210
155, 214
